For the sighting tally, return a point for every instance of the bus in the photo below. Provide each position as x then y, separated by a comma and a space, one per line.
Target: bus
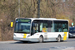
40, 29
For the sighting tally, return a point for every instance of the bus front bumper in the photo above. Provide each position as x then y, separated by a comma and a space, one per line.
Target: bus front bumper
21, 39
26, 39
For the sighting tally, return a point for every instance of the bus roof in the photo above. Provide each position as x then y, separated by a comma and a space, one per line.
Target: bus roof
43, 19
48, 19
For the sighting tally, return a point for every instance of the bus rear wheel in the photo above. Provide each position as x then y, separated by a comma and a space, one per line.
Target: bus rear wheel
40, 39
59, 39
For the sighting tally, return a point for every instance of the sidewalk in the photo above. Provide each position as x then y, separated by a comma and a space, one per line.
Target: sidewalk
7, 41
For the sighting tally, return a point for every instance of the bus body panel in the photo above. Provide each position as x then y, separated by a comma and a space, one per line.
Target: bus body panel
51, 36
54, 35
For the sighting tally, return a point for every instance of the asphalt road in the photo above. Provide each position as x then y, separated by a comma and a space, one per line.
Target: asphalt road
16, 45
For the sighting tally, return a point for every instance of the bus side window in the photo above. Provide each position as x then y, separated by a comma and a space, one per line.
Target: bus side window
41, 27
60, 28
44, 29
65, 27
47, 25
56, 27
36, 28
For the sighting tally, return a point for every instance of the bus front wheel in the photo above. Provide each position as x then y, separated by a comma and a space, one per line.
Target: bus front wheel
40, 39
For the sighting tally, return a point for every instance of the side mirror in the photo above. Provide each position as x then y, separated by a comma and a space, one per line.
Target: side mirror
11, 24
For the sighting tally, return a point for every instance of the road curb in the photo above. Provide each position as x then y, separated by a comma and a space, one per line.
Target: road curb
7, 41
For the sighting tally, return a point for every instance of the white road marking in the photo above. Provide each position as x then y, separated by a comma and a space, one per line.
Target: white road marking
62, 48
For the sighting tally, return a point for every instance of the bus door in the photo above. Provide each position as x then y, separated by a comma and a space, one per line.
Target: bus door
34, 28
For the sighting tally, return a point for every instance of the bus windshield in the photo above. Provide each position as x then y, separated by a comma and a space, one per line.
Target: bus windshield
22, 26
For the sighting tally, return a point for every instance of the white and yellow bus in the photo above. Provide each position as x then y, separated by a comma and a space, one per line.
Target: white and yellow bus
40, 29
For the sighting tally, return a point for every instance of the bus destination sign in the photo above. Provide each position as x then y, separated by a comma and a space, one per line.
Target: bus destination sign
23, 20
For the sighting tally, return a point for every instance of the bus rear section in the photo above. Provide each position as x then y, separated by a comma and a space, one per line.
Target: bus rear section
61, 26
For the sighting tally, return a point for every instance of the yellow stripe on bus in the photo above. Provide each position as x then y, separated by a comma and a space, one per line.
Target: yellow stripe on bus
24, 35
65, 36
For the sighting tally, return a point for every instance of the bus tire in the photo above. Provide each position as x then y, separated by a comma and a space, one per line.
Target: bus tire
40, 39
59, 39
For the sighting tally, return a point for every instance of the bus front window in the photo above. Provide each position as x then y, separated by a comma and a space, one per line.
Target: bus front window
22, 27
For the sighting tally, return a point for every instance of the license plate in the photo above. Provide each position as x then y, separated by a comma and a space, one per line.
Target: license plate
21, 39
